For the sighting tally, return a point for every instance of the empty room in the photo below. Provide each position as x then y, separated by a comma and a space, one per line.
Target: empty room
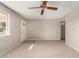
39, 29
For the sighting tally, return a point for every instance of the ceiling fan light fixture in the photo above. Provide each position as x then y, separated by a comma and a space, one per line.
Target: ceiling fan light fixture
44, 6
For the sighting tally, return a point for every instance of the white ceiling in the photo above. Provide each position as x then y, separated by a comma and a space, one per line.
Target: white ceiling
21, 7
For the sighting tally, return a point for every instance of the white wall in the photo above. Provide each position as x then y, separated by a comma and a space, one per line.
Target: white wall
14, 38
72, 29
46, 30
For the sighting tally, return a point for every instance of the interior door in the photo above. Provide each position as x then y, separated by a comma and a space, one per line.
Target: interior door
23, 30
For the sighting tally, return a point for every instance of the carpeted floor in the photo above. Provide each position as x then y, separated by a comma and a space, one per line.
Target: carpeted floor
42, 49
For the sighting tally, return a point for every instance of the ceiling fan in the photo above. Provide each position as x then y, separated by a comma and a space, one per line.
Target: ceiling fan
44, 6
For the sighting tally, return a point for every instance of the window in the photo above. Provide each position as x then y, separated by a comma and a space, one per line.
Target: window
4, 23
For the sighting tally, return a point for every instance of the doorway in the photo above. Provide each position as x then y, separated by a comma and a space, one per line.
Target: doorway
62, 30
23, 30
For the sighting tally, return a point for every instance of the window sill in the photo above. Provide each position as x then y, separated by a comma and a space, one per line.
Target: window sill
6, 34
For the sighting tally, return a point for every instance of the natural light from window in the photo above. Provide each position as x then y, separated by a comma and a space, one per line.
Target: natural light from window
4, 23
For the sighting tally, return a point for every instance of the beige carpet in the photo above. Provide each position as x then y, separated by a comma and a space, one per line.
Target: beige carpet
42, 49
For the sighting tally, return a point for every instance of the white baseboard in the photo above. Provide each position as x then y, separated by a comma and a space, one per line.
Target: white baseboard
72, 47
10, 48
43, 39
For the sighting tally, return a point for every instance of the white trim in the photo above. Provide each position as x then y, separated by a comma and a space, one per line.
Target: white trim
72, 47
7, 24
42, 39
10, 49
23, 38
7, 34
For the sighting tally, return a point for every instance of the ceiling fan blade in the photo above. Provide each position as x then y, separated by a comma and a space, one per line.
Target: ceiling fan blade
52, 8
42, 11
34, 7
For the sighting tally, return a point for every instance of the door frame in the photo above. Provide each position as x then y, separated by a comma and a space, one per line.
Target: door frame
23, 23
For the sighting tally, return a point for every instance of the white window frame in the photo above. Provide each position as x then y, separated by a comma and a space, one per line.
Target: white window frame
7, 24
